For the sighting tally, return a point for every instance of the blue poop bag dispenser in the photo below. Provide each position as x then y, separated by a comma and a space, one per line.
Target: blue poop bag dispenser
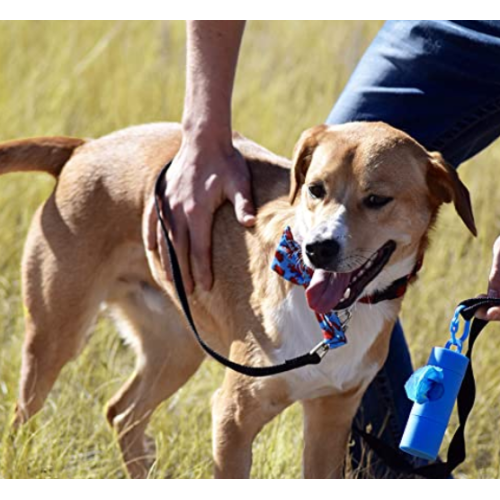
434, 390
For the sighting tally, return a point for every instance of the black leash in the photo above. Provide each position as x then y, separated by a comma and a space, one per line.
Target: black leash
311, 358
394, 458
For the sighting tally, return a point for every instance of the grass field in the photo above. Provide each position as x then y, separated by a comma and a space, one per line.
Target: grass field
89, 78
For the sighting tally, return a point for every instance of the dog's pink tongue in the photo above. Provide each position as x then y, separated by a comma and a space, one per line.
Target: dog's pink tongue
326, 290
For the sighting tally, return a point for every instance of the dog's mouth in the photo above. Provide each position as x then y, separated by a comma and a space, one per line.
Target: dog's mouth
331, 290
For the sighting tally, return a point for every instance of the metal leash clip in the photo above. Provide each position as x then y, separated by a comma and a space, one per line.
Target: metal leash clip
321, 349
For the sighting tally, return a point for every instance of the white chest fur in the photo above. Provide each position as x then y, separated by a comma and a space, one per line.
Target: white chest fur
340, 369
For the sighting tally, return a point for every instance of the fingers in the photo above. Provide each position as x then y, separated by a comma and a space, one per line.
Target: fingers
481, 313
200, 239
492, 313
494, 279
179, 235
488, 314
176, 224
241, 197
244, 210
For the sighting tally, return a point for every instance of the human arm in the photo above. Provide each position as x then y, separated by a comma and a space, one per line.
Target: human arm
207, 169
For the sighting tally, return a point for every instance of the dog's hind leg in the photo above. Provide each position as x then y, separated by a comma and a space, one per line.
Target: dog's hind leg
167, 356
61, 297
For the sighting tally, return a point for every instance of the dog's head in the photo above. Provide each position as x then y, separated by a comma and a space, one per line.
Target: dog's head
367, 195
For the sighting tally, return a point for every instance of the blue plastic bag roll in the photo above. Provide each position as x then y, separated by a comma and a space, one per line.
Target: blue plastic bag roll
427, 424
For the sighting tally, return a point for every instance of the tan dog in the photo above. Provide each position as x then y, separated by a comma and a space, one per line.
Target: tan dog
356, 190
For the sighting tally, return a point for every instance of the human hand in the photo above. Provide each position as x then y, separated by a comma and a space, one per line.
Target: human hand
202, 176
493, 313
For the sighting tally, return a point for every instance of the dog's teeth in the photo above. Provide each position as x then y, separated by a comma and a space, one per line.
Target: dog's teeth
347, 294
369, 264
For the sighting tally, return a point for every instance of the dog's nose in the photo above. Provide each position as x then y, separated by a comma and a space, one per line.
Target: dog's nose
322, 254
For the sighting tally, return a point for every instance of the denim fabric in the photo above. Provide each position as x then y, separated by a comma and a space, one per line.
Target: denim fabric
439, 81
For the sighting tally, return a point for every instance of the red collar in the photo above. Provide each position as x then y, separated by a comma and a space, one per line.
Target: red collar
396, 289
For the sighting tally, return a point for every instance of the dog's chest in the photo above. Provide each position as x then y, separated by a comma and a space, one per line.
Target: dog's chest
341, 368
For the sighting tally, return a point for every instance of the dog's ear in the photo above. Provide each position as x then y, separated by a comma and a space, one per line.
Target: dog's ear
302, 155
445, 187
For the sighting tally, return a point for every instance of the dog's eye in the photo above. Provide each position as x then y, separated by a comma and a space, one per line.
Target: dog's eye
317, 191
374, 201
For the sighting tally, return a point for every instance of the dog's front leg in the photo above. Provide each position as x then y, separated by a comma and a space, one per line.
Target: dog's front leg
327, 425
240, 408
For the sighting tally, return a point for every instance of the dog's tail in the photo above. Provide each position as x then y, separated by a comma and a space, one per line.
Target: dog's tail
43, 154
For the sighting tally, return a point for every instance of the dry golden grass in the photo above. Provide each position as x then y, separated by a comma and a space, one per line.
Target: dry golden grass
89, 78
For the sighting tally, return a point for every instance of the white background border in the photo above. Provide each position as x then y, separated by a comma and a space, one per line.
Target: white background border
253, 9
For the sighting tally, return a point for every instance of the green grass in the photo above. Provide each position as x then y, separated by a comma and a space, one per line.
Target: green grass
89, 78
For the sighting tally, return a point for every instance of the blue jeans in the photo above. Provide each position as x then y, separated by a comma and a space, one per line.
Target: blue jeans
439, 81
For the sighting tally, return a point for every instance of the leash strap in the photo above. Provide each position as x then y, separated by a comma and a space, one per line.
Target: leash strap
311, 358
395, 459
